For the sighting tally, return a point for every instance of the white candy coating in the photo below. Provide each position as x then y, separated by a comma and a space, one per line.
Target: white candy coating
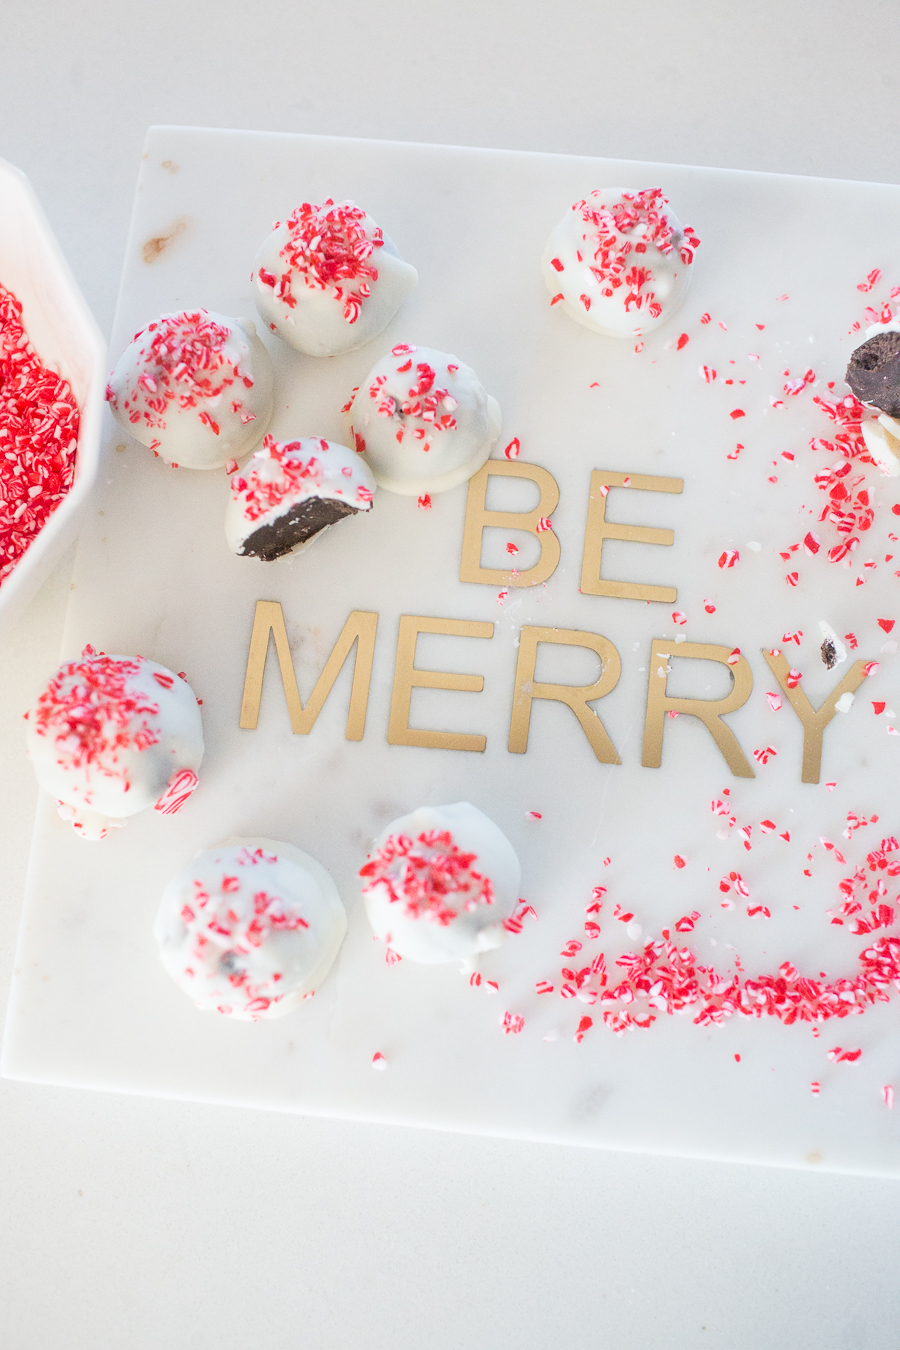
882, 440
283, 475
619, 262
196, 387
113, 735
889, 326
251, 928
422, 421
328, 280
439, 883
837, 646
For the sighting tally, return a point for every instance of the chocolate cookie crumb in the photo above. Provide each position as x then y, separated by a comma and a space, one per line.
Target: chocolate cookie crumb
874, 372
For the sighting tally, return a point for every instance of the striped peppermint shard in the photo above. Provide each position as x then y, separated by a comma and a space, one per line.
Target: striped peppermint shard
181, 785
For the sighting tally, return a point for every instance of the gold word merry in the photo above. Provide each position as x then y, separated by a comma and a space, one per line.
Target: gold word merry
360, 629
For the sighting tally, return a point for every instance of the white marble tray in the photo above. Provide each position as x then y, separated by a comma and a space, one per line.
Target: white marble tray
90, 1004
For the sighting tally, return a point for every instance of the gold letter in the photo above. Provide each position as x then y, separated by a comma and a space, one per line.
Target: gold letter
407, 677
599, 528
708, 710
270, 619
478, 519
813, 721
575, 696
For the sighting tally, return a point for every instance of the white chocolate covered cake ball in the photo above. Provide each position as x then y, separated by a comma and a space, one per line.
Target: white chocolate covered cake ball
250, 929
422, 421
439, 883
112, 735
194, 387
619, 262
327, 280
290, 492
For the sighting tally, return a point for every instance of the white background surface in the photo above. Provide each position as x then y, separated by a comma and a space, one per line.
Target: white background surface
126, 1222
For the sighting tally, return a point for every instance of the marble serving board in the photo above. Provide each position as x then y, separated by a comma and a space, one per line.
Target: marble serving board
778, 272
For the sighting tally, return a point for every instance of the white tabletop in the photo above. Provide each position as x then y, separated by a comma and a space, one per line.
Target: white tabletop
140, 1223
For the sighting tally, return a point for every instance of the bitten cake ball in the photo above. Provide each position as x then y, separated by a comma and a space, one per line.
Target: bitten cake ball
439, 884
194, 387
327, 280
422, 421
620, 262
290, 492
112, 735
874, 371
250, 929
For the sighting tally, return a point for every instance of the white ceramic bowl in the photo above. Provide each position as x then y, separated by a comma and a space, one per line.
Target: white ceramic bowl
63, 333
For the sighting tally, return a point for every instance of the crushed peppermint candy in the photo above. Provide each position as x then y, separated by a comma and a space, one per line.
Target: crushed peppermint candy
329, 248
94, 712
188, 359
39, 422
181, 785
430, 876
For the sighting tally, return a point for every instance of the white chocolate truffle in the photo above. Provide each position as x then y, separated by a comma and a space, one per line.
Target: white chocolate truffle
439, 883
619, 262
327, 280
250, 929
112, 735
194, 387
290, 492
422, 421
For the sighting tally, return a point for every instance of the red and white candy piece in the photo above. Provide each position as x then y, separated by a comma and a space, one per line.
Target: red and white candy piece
181, 785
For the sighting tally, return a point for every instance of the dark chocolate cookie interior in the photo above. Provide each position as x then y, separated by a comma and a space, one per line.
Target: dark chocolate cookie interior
874, 372
296, 526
